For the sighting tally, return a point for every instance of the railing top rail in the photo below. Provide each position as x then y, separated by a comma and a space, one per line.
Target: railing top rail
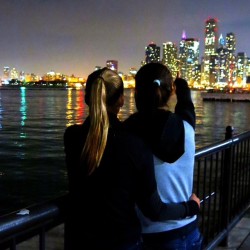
45, 213
213, 148
221, 145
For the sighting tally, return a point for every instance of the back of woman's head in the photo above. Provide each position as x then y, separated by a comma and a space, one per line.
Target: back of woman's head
153, 86
104, 88
109, 80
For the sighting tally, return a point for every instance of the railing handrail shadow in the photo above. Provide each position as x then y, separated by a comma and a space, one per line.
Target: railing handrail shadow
221, 180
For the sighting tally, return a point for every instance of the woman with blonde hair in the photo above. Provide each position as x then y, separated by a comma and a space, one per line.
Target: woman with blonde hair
109, 172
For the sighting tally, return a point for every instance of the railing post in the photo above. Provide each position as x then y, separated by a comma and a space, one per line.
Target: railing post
226, 185
229, 132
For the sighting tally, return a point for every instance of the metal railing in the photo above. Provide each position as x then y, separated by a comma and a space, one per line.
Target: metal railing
221, 180
35, 220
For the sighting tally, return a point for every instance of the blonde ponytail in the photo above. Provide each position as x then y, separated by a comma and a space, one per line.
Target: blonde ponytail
104, 88
99, 125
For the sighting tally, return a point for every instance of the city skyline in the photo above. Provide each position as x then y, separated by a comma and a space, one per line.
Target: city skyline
72, 37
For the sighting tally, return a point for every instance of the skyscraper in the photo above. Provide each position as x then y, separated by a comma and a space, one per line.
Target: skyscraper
112, 64
189, 53
152, 53
170, 57
211, 36
211, 45
231, 43
241, 68
231, 46
222, 72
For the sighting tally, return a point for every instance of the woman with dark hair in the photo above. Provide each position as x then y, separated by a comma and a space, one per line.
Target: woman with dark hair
171, 137
109, 171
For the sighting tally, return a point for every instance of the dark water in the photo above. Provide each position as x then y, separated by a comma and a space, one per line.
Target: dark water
32, 123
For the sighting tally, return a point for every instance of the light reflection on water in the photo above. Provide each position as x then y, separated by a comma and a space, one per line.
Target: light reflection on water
32, 124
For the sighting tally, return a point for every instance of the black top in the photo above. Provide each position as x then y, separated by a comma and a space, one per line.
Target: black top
102, 205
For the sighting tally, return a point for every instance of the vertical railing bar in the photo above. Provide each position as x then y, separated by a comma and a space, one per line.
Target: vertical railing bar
198, 176
235, 173
204, 195
241, 173
221, 228
13, 244
42, 239
245, 171
227, 182
238, 180
248, 166
216, 188
209, 192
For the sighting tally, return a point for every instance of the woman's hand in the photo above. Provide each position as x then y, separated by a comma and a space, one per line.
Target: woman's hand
195, 198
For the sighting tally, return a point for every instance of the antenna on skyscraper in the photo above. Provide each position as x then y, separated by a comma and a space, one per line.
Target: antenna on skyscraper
183, 36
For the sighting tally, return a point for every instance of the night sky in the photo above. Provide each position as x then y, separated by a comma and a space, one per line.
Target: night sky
74, 36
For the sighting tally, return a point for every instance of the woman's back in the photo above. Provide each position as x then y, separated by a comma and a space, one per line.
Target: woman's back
103, 203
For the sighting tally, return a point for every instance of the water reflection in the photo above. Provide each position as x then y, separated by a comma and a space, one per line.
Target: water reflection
69, 110
76, 110
33, 121
23, 108
81, 110
212, 118
129, 105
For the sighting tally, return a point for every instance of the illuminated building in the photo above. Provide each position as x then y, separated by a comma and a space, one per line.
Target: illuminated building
231, 43
50, 76
31, 78
112, 64
210, 53
132, 71
22, 75
241, 63
248, 67
152, 53
6, 73
14, 74
211, 36
222, 64
189, 53
170, 57
231, 46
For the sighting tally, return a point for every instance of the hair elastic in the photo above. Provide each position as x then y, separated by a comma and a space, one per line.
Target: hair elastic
157, 81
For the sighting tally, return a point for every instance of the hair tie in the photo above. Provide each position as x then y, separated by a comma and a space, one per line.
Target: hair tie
157, 81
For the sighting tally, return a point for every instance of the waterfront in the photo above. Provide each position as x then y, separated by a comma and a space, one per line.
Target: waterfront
32, 123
